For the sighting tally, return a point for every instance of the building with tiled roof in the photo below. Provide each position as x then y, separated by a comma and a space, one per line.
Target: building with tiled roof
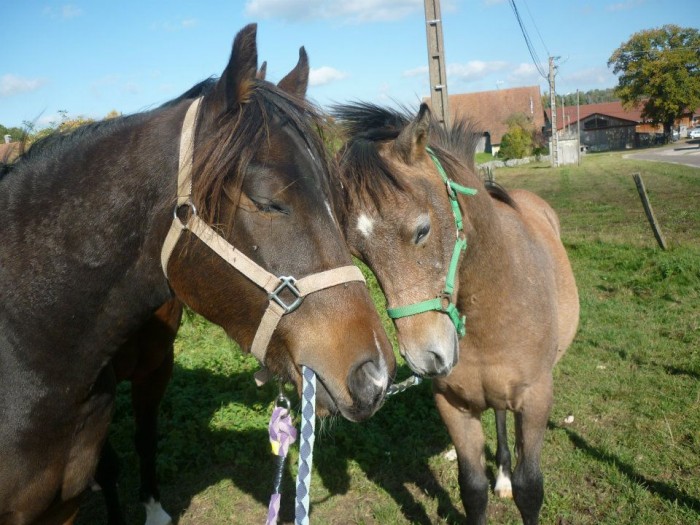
490, 110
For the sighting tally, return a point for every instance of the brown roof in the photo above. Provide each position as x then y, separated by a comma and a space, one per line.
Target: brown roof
8, 152
491, 109
610, 109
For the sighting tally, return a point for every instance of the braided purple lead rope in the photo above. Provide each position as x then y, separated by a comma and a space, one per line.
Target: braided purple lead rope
282, 434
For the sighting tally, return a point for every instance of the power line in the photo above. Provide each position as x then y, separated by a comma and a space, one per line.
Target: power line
536, 28
528, 42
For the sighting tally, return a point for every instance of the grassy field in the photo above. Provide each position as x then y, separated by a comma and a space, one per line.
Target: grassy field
631, 381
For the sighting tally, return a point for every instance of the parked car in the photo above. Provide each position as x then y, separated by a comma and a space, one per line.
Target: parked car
694, 133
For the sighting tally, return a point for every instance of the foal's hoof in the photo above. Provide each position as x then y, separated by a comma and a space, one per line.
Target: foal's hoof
504, 493
155, 515
503, 488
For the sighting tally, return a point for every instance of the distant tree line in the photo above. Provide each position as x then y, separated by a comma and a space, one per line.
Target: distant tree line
593, 96
29, 132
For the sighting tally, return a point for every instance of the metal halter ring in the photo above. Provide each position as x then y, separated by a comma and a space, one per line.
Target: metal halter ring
188, 204
288, 283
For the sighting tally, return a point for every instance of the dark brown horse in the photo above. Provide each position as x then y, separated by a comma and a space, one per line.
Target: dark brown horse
146, 361
441, 251
91, 248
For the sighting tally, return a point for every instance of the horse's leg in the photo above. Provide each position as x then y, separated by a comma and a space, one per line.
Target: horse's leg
503, 488
146, 396
530, 426
468, 438
155, 339
106, 476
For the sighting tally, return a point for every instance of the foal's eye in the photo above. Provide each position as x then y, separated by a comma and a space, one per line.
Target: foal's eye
422, 233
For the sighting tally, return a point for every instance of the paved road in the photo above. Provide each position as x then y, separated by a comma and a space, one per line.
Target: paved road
683, 152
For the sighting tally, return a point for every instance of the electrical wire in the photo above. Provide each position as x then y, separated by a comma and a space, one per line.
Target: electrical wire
528, 42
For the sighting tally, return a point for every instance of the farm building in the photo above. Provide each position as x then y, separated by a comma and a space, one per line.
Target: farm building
609, 126
492, 109
9, 150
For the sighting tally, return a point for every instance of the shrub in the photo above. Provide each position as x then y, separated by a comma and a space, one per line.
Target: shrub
516, 143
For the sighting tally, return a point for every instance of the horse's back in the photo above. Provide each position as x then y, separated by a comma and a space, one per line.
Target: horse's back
543, 222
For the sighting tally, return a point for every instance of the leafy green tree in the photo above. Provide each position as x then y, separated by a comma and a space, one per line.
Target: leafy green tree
517, 142
659, 70
15, 133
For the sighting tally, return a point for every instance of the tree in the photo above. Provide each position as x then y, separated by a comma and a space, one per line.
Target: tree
659, 69
516, 143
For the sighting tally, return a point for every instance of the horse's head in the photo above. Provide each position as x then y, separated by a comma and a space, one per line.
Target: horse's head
263, 183
400, 220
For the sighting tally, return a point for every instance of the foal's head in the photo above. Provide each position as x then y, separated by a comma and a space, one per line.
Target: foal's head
400, 222
262, 179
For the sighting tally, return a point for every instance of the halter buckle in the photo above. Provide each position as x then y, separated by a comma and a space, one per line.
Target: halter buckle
286, 283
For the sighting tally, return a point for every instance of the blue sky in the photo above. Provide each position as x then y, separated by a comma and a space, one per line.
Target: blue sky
90, 57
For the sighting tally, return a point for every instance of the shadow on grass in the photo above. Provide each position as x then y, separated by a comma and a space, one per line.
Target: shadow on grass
663, 490
392, 448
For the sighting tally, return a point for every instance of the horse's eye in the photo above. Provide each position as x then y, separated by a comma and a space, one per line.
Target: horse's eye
422, 233
267, 206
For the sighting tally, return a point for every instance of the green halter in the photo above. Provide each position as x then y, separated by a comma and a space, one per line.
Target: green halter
443, 302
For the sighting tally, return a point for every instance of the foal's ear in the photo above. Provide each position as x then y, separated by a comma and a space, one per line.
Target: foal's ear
262, 72
297, 80
236, 81
413, 139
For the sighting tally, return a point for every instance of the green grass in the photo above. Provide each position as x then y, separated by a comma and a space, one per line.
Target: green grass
631, 380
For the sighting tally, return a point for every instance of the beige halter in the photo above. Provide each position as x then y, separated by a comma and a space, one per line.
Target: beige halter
272, 284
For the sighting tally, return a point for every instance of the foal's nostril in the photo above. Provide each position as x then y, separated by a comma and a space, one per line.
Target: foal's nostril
437, 364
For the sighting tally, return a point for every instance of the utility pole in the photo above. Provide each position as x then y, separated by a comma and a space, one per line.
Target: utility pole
436, 62
554, 154
578, 128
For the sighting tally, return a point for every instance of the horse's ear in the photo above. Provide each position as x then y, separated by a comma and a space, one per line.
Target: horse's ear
297, 80
236, 81
262, 72
413, 139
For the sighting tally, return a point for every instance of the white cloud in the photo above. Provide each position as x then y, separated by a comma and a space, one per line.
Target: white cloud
524, 73
624, 6
171, 26
594, 76
348, 10
65, 12
475, 69
13, 85
470, 72
325, 75
416, 72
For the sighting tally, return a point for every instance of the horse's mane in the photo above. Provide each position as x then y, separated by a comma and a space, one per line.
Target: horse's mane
224, 152
368, 177
365, 173
239, 134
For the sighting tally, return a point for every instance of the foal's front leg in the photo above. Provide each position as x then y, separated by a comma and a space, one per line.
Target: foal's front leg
530, 426
467, 436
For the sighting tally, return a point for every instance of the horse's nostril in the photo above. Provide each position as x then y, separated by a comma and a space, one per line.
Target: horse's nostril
367, 382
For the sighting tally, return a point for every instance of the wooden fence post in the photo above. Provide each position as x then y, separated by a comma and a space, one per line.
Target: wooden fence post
647, 209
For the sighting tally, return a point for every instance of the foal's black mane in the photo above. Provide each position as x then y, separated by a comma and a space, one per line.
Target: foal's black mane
365, 173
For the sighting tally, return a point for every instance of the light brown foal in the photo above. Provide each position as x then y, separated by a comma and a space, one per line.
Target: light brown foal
513, 283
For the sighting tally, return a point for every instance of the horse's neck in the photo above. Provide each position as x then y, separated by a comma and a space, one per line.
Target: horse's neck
487, 259
82, 241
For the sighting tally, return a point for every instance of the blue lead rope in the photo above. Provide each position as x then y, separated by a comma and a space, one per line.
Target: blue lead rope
306, 445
